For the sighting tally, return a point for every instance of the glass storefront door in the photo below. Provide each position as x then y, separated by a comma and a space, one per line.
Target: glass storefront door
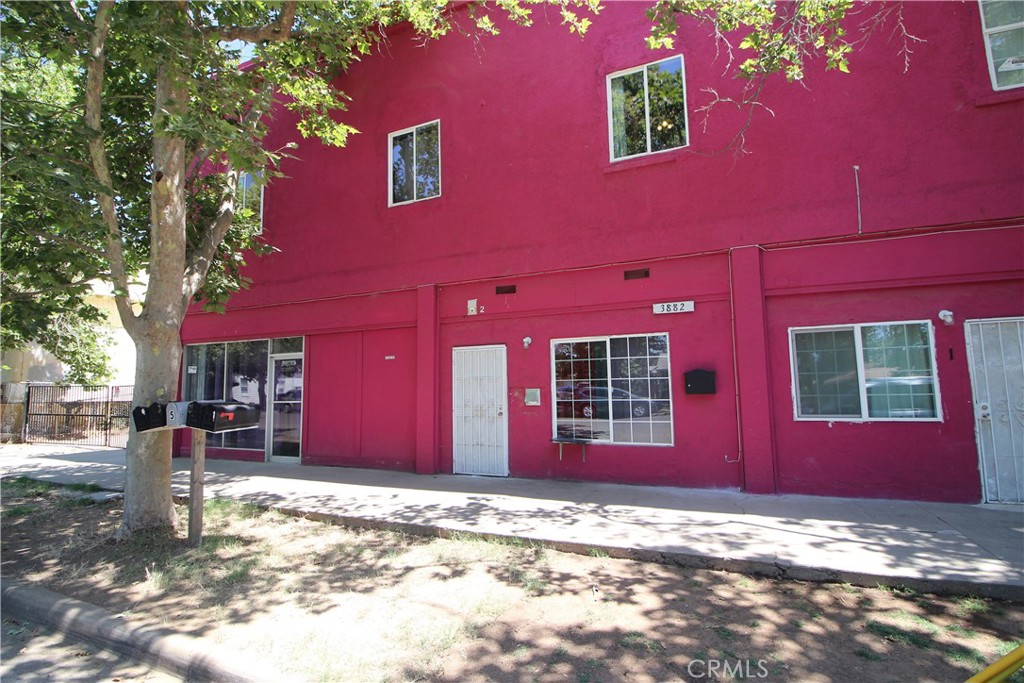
286, 407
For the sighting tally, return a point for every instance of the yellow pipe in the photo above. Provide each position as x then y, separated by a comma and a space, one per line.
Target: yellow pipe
1001, 670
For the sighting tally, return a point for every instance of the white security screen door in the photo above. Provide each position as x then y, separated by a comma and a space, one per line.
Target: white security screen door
480, 411
996, 351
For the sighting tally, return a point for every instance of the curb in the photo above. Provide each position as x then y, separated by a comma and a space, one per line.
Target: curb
191, 658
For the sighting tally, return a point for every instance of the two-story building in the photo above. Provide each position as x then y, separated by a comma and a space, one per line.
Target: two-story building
539, 259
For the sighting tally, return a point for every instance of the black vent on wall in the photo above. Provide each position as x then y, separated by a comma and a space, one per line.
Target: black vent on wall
505, 289
638, 274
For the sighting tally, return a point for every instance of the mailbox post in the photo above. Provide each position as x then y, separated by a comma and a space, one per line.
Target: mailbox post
195, 488
201, 416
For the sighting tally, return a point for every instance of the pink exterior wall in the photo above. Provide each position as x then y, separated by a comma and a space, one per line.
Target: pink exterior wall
529, 198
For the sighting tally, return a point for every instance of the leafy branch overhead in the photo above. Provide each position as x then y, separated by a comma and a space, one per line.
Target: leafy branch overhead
763, 38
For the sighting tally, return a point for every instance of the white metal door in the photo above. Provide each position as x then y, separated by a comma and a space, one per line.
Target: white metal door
996, 351
480, 411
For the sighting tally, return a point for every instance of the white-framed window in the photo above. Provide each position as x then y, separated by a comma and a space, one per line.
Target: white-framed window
647, 109
249, 203
415, 164
1003, 24
870, 371
612, 389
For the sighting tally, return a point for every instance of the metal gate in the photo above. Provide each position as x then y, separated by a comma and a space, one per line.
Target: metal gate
996, 352
480, 404
76, 414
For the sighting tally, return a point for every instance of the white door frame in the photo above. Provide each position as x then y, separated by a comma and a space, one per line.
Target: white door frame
981, 401
500, 408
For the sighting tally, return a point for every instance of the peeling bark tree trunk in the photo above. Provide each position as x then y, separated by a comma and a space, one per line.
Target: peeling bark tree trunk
148, 501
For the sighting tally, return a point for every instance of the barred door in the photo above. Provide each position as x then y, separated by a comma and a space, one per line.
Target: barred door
480, 404
996, 354
78, 414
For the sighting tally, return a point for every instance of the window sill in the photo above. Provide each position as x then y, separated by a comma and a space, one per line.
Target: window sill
658, 158
999, 97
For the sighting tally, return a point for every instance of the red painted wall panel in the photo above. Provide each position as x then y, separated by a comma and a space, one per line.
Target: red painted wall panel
332, 401
704, 453
389, 399
918, 460
360, 399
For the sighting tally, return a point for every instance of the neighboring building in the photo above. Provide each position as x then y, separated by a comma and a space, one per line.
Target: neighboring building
537, 238
35, 364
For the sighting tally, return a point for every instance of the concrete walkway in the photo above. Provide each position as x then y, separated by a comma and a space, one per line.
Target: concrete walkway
976, 549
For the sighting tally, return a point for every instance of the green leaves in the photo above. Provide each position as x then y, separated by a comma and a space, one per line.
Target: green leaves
778, 37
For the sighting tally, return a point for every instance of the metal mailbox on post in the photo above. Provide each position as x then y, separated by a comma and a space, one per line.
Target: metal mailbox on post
201, 416
219, 417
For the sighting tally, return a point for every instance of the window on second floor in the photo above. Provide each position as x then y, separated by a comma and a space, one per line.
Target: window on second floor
1003, 24
647, 109
249, 200
415, 164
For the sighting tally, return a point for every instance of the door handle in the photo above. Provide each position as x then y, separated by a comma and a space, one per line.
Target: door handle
983, 411
501, 412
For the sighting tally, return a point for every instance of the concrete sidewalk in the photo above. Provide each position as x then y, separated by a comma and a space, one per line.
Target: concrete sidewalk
976, 549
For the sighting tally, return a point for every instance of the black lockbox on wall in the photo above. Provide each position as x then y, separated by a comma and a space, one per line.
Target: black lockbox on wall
699, 381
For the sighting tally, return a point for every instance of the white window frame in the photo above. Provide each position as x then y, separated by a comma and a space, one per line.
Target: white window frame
861, 381
263, 189
607, 340
391, 175
647, 109
987, 31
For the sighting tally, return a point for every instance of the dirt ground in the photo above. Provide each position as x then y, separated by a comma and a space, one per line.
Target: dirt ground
329, 603
32, 653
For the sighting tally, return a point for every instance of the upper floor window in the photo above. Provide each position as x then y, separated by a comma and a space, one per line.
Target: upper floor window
415, 163
647, 109
613, 389
883, 371
1003, 24
250, 199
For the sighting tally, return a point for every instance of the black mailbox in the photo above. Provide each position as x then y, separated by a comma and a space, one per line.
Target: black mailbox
699, 381
213, 416
150, 417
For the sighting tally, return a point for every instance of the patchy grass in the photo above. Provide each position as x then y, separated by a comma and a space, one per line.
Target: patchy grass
969, 605
323, 602
23, 487
635, 640
19, 510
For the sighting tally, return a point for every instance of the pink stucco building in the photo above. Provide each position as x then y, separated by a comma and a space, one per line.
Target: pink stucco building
518, 264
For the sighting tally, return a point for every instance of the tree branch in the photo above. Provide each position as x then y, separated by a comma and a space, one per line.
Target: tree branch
276, 32
202, 258
22, 295
56, 237
101, 169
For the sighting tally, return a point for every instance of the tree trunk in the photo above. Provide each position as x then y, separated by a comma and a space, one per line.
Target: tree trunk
157, 333
147, 501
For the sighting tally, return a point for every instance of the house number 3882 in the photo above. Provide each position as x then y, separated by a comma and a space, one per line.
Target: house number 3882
673, 307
